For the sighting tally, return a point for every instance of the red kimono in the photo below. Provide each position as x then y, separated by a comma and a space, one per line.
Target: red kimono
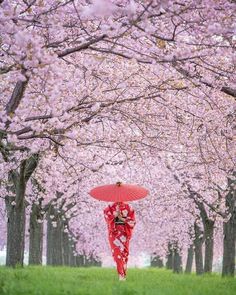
120, 233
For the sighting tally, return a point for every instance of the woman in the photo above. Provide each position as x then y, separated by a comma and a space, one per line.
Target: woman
120, 219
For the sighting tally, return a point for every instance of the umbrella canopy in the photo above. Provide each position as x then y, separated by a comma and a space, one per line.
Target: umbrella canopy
118, 192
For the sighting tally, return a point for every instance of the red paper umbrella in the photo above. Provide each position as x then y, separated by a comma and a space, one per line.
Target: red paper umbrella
118, 192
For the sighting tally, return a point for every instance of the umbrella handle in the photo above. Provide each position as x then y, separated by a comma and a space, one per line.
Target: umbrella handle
119, 183
118, 207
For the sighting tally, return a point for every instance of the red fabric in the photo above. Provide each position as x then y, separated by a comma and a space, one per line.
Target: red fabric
120, 235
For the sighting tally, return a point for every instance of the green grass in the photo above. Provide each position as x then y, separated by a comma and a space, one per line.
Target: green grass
103, 281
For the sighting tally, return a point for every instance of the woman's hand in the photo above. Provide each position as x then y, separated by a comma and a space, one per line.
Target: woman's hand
116, 213
120, 217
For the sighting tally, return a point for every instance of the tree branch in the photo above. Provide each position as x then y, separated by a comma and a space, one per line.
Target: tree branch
81, 47
16, 97
30, 166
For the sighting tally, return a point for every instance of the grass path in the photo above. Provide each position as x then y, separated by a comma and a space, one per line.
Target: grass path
103, 281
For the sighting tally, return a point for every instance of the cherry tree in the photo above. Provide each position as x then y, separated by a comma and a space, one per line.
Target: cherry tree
97, 87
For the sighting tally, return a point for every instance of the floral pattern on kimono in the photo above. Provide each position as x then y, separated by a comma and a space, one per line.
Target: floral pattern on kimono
120, 235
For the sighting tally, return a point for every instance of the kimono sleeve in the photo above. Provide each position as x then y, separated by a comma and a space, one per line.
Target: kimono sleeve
130, 220
109, 217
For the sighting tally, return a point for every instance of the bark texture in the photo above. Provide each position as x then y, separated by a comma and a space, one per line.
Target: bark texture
229, 230
189, 263
177, 259
156, 261
35, 235
15, 205
198, 242
170, 257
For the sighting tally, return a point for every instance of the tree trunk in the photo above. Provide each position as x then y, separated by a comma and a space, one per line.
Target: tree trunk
36, 236
208, 225
189, 263
60, 244
66, 249
86, 261
209, 244
97, 262
80, 260
169, 262
15, 205
229, 230
198, 241
57, 247
72, 257
228, 268
15, 233
156, 261
54, 239
93, 261
177, 260
49, 240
